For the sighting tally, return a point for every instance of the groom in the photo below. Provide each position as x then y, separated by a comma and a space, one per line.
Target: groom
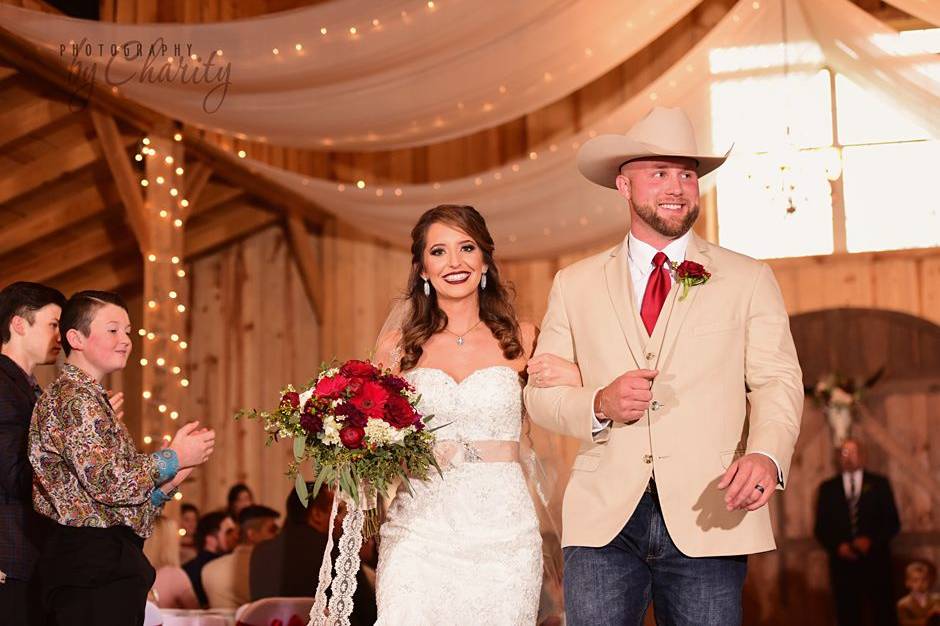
691, 401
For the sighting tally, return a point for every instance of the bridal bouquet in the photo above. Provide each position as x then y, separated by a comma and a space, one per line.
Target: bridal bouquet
359, 427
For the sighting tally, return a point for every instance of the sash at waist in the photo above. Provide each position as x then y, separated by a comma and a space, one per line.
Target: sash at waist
453, 452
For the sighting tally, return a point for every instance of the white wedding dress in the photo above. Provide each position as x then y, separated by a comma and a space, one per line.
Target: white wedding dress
465, 549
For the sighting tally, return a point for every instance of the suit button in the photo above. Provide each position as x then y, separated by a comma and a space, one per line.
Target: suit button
650, 356
656, 405
647, 458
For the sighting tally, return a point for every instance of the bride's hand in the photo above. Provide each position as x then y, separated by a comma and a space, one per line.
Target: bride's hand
548, 370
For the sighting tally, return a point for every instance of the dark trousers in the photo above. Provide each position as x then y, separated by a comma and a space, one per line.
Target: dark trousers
862, 591
19, 603
95, 577
613, 585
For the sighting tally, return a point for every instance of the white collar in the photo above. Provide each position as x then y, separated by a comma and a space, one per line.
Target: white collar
641, 253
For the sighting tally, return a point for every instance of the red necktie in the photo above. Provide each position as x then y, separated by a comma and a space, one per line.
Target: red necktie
657, 288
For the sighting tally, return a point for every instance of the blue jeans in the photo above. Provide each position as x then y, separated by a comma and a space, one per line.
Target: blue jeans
612, 585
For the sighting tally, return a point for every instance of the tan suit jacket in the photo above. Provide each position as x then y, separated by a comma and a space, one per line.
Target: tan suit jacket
225, 579
729, 383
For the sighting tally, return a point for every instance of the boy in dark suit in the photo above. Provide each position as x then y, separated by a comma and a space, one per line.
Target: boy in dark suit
29, 334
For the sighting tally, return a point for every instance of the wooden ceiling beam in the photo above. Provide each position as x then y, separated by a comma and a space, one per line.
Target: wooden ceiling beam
230, 222
59, 209
32, 175
60, 255
196, 180
126, 180
18, 122
112, 274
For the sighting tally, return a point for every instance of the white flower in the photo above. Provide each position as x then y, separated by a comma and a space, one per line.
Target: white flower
378, 432
330, 435
305, 396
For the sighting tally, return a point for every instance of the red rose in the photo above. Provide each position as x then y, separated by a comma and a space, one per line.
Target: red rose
399, 412
311, 423
352, 436
371, 399
358, 369
290, 399
691, 269
331, 387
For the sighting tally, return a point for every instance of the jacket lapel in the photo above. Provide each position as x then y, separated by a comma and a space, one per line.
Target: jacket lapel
17, 378
675, 310
620, 288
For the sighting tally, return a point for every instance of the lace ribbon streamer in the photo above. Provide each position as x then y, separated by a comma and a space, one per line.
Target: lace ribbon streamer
337, 610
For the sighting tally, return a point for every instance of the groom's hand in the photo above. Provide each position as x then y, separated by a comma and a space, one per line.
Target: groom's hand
627, 398
743, 477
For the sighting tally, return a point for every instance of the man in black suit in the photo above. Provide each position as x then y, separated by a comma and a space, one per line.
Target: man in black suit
29, 334
289, 564
856, 519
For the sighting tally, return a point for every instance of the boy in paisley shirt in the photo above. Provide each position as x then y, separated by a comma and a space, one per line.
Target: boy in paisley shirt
90, 479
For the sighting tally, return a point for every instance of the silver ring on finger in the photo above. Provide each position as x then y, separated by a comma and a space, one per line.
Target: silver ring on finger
759, 487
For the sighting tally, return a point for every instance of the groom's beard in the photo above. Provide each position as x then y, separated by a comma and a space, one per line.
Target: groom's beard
665, 228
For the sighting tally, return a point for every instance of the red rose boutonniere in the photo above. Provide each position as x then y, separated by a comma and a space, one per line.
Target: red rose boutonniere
689, 274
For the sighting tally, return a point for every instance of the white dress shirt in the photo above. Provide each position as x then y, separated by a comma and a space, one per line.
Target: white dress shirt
852, 483
639, 256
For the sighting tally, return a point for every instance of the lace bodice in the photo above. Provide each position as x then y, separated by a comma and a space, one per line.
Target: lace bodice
486, 405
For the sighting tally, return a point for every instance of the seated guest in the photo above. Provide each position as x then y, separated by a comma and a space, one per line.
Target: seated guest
88, 477
289, 564
189, 517
216, 535
162, 549
239, 496
921, 606
225, 579
29, 336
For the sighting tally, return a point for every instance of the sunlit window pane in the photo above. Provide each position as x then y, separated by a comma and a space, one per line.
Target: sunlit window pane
888, 199
754, 194
753, 113
864, 117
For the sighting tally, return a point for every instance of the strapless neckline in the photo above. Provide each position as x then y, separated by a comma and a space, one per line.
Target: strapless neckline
468, 376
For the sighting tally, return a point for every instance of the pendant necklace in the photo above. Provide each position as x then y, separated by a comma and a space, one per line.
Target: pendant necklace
467, 332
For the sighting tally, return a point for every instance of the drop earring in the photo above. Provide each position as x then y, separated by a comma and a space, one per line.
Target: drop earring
427, 288
483, 281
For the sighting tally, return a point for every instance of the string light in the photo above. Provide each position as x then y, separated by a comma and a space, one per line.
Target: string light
181, 308
242, 154
183, 345
179, 171
163, 213
146, 395
181, 273
184, 203
178, 136
178, 496
168, 160
143, 362
152, 257
142, 332
146, 141
172, 295
160, 180
323, 31
144, 182
178, 223
174, 337
298, 47
353, 30
148, 439
161, 361
174, 415
276, 51
152, 304
151, 336
174, 260
184, 382
361, 184
138, 157
162, 408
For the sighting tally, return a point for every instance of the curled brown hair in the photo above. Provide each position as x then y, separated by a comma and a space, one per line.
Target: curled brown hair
426, 318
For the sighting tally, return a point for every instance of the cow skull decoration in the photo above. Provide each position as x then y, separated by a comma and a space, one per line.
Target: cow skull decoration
839, 398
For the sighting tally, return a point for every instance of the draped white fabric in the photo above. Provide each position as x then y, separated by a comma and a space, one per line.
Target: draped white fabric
542, 206
413, 73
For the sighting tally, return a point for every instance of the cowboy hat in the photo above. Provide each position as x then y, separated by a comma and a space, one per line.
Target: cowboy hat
663, 132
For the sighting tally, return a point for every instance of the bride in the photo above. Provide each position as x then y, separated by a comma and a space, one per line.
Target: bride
465, 549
